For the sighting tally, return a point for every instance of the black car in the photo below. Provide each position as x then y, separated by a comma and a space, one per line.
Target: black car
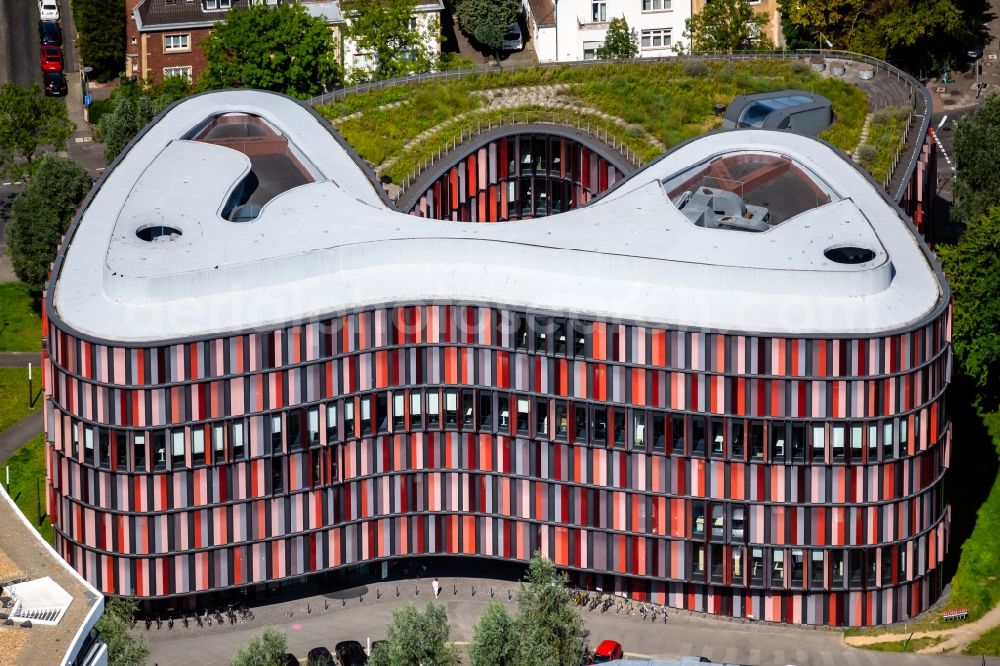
350, 653
320, 656
54, 84
49, 33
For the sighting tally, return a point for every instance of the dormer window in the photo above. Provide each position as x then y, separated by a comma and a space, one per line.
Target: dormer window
212, 5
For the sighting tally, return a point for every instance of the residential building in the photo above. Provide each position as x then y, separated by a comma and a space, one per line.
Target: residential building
165, 37
258, 370
571, 30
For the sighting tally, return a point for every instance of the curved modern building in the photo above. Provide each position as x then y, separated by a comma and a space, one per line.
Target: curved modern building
717, 386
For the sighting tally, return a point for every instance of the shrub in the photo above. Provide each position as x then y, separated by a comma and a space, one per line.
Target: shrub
799, 67
695, 68
867, 153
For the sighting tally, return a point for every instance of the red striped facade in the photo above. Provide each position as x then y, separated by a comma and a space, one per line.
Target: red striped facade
791, 479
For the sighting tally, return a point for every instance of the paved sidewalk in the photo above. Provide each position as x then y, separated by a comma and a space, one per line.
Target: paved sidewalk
363, 613
20, 360
18, 434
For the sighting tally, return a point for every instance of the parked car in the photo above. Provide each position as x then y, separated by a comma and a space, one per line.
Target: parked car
49, 32
54, 84
52, 59
607, 651
48, 9
513, 40
320, 656
350, 653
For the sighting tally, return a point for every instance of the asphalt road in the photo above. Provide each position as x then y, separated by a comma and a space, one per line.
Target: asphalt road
19, 42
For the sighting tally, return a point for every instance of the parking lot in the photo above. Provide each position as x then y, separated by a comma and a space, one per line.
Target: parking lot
362, 614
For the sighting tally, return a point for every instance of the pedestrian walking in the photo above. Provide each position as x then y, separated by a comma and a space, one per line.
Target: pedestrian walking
437, 588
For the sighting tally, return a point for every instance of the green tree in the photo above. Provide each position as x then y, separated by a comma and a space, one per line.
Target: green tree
382, 28
494, 638
727, 25
133, 106
267, 648
40, 215
415, 638
621, 43
549, 628
113, 626
280, 48
29, 121
486, 21
101, 27
977, 145
973, 269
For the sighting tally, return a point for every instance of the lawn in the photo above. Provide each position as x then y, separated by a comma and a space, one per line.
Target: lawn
988, 644
885, 136
27, 478
668, 101
20, 325
14, 394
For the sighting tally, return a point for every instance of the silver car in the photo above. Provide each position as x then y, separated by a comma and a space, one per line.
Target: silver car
513, 40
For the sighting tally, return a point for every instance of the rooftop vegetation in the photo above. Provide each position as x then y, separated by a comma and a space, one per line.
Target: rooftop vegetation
647, 107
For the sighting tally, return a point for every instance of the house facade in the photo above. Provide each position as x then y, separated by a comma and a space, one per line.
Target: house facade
573, 30
165, 37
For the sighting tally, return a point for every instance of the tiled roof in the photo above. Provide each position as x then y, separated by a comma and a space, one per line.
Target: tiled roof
544, 12
159, 13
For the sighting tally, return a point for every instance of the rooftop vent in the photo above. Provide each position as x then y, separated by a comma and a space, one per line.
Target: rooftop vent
157, 232
716, 208
848, 254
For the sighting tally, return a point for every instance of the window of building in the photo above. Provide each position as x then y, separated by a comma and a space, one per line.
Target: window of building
521, 334
398, 411
736, 439
238, 440
365, 420
659, 433
139, 452
580, 422
778, 441
599, 425
737, 526
312, 426
737, 554
88, 445
294, 430
468, 410
177, 42
184, 72
198, 445
332, 429
818, 443
837, 442
756, 440
523, 415
717, 562
757, 567
485, 411
274, 433
872, 442
698, 519
716, 428
697, 436
218, 443
718, 522
176, 449
855, 568
857, 441
657, 38
639, 430
797, 565
560, 339
562, 421
817, 568
382, 412
416, 413
103, 448
317, 467
277, 474
677, 433
541, 417
503, 413
451, 409
120, 450
618, 428
655, 5
334, 464
76, 440
777, 568
888, 443
698, 560
797, 435
590, 50
598, 10
433, 409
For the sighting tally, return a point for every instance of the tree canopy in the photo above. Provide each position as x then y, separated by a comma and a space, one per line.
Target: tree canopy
29, 121
913, 34
280, 48
494, 638
383, 30
486, 21
620, 43
549, 627
415, 638
101, 26
973, 269
133, 106
40, 215
727, 25
977, 145
114, 625
267, 648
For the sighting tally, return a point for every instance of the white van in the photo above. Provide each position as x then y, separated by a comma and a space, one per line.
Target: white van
48, 10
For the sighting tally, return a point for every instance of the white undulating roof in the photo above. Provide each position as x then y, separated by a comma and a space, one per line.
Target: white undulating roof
333, 245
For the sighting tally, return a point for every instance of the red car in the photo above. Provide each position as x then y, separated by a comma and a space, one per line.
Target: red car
52, 59
607, 651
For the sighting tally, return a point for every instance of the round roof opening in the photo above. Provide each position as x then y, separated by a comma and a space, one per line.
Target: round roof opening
849, 254
157, 232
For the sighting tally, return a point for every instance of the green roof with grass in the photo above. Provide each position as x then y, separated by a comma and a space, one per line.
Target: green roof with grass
646, 107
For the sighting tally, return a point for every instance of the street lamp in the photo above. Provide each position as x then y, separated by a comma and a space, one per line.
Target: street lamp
85, 87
